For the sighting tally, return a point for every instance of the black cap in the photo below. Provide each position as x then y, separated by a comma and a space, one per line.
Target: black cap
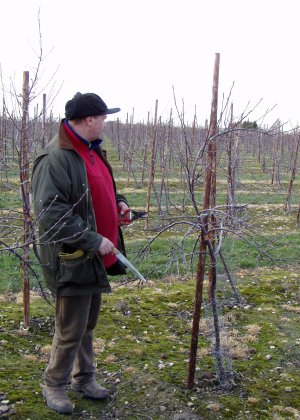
87, 105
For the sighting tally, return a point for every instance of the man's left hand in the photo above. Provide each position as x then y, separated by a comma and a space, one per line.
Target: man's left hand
122, 209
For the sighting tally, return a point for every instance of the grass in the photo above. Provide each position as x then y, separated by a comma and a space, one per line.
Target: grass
142, 348
142, 339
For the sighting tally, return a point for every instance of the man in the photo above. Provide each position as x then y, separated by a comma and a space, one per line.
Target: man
77, 211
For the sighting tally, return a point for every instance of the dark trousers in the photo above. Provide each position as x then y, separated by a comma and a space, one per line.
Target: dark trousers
72, 354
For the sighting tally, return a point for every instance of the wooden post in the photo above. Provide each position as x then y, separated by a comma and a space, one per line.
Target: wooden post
2, 144
165, 163
44, 121
145, 139
2, 125
205, 239
24, 178
152, 163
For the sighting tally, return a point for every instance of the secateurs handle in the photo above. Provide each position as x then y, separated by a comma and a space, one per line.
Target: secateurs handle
131, 215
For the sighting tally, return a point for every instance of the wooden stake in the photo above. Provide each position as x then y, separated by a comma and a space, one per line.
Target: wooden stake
152, 163
209, 202
24, 178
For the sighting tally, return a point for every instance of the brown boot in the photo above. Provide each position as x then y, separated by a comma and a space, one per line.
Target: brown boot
57, 399
91, 390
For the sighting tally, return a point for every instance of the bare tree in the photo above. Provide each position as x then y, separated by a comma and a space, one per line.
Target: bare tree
23, 132
287, 206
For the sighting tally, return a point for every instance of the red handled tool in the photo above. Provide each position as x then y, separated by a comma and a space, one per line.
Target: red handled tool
131, 215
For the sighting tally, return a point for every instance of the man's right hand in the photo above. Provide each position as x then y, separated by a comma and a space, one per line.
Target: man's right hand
106, 247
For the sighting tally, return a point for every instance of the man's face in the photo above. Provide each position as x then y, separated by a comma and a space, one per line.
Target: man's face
97, 126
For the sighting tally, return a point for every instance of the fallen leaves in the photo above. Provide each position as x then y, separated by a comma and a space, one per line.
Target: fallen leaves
99, 345
291, 308
214, 406
252, 329
110, 359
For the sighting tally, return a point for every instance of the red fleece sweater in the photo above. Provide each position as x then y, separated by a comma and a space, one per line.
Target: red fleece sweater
102, 193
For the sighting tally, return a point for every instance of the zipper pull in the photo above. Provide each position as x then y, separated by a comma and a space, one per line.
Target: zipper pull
92, 158
91, 154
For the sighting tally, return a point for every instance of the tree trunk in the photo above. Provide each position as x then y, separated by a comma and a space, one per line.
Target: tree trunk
287, 206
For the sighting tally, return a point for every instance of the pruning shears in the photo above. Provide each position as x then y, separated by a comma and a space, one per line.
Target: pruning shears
131, 215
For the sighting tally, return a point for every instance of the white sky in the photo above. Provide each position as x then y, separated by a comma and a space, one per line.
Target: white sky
131, 52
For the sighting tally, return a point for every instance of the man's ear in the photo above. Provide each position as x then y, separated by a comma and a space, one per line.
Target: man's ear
88, 121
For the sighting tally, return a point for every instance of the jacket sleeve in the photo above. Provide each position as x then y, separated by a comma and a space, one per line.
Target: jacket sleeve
57, 207
120, 197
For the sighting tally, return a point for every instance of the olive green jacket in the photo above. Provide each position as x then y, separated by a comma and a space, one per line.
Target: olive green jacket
66, 221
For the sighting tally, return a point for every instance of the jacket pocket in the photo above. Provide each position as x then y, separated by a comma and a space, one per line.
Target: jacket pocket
80, 270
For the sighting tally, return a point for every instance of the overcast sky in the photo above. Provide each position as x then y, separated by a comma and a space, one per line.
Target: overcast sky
132, 52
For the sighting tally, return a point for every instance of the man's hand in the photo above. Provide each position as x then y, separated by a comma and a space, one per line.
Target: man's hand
122, 209
106, 247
